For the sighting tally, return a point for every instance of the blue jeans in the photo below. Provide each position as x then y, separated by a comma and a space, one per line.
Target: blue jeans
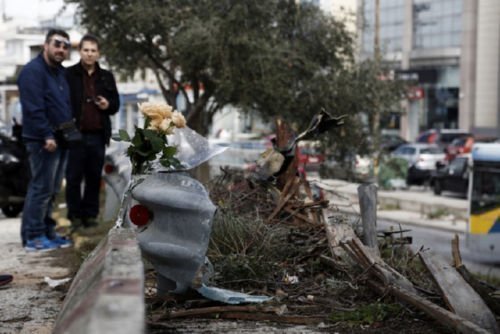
47, 172
85, 164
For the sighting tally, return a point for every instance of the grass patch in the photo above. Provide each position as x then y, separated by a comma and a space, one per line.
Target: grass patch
367, 314
389, 206
438, 213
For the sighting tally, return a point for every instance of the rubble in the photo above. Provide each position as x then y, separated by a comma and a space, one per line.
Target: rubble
273, 236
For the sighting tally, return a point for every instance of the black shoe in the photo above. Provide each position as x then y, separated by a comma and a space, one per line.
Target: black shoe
5, 279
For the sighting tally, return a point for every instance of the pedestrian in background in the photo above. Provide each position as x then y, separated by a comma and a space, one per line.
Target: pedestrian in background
94, 98
44, 96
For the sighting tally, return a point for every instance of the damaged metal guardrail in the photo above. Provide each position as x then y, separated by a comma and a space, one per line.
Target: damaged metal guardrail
107, 294
173, 215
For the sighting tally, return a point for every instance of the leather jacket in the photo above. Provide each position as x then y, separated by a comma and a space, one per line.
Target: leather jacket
105, 85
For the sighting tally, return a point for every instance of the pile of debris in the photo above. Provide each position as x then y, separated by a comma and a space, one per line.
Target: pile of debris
280, 238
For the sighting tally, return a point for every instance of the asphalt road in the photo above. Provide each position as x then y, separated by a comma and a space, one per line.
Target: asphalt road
439, 241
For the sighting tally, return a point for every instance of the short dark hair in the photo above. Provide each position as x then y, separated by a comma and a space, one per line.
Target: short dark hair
89, 38
53, 32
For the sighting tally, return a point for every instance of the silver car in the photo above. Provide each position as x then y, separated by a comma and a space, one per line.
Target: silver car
422, 159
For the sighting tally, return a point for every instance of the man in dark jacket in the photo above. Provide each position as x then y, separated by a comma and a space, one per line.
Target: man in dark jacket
44, 96
94, 98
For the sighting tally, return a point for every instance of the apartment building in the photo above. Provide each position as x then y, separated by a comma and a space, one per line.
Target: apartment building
448, 50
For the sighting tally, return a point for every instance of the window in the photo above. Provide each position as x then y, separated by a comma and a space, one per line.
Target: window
437, 23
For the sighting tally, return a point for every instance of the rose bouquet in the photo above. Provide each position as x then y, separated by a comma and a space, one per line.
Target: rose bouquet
150, 143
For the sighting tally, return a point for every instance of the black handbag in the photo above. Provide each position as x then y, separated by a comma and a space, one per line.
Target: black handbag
67, 135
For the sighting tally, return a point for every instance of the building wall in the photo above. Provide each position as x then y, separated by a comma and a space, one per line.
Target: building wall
342, 10
487, 68
468, 65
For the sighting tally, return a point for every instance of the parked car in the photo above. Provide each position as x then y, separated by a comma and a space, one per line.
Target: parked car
310, 155
422, 160
352, 166
441, 137
453, 177
460, 145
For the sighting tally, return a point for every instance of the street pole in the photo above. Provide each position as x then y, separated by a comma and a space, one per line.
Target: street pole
376, 111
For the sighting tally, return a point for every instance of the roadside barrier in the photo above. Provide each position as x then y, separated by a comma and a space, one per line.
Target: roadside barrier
107, 294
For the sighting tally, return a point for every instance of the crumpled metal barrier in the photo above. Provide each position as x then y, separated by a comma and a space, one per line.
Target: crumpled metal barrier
176, 240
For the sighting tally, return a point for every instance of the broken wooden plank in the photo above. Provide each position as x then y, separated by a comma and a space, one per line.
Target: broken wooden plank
220, 309
284, 137
286, 319
284, 199
344, 236
336, 232
438, 313
483, 291
457, 294
296, 213
381, 269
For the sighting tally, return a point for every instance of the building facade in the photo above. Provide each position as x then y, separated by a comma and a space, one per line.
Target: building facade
448, 50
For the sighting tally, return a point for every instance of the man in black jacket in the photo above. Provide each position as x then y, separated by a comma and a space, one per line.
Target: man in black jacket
94, 97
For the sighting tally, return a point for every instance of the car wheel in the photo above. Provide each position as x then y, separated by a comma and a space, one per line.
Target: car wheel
437, 187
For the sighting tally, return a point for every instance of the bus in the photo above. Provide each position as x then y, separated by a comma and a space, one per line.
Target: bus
483, 230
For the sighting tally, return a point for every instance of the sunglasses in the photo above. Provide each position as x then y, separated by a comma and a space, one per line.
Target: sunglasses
61, 42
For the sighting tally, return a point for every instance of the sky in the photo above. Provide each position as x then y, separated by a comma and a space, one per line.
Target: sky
30, 9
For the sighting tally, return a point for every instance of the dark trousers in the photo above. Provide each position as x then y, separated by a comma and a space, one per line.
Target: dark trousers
85, 164
47, 171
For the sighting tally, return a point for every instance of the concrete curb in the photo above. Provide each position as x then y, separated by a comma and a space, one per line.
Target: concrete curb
107, 294
410, 207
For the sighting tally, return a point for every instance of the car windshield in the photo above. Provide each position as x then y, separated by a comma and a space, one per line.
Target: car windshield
431, 150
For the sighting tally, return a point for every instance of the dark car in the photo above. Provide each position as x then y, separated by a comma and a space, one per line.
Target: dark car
460, 145
453, 177
441, 137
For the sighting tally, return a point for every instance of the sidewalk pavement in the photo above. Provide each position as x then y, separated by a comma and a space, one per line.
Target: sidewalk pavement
29, 304
415, 206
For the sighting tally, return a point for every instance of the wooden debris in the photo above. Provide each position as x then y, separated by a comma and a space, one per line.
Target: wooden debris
483, 290
376, 265
438, 313
245, 312
292, 204
457, 294
336, 233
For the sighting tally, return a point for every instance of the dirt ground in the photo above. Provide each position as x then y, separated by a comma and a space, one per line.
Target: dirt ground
28, 304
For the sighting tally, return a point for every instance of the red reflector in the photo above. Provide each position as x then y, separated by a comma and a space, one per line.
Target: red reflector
108, 168
139, 215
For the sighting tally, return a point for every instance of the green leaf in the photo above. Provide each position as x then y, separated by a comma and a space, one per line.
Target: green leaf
138, 138
123, 135
170, 162
157, 142
169, 151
